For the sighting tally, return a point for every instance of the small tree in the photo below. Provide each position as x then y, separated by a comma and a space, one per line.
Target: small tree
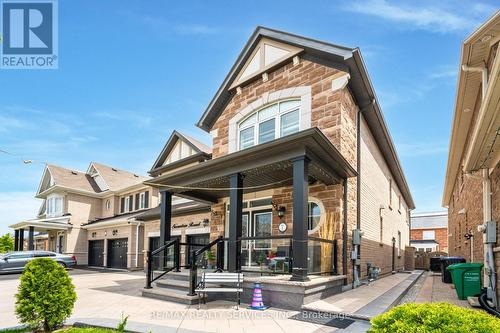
6, 243
45, 296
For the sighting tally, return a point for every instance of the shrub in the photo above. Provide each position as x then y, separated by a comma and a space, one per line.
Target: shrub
434, 317
46, 294
6, 243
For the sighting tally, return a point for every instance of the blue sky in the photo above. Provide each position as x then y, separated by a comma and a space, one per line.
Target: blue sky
132, 71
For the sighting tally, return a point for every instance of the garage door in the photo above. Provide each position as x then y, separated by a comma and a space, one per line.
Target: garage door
96, 256
117, 253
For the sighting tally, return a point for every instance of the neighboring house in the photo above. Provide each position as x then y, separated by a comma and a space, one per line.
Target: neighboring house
89, 215
472, 183
301, 161
190, 219
429, 231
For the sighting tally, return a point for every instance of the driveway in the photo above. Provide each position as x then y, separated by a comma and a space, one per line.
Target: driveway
104, 296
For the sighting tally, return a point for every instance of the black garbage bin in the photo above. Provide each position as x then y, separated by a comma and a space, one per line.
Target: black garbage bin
435, 264
445, 262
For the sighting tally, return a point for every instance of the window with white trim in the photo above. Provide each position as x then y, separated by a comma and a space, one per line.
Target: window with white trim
313, 215
126, 205
142, 200
429, 234
271, 122
54, 206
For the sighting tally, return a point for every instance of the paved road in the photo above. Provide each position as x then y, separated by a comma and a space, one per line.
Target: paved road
104, 296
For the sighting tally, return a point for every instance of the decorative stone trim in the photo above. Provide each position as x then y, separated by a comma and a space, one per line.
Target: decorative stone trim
303, 92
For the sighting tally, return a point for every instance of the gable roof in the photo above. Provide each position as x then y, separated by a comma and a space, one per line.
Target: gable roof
117, 179
200, 150
72, 179
345, 58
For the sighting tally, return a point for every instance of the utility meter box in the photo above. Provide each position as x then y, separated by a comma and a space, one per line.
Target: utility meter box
356, 236
491, 232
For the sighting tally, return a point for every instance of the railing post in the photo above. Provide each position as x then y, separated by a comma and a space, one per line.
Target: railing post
334, 259
150, 270
177, 256
193, 274
220, 254
290, 257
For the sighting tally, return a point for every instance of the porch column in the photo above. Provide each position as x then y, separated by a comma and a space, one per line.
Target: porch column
300, 198
31, 238
16, 240
235, 218
165, 217
21, 239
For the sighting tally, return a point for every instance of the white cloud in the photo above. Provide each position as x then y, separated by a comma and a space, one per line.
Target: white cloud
133, 117
15, 207
195, 29
430, 17
445, 72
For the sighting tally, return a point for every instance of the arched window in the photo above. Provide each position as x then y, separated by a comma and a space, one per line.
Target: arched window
271, 122
313, 215
108, 204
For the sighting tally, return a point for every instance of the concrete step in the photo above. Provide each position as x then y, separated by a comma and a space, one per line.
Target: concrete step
171, 295
168, 283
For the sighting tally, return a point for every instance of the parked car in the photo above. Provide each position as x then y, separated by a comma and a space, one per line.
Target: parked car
15, 261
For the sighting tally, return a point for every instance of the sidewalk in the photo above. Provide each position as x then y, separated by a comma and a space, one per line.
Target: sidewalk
370, 300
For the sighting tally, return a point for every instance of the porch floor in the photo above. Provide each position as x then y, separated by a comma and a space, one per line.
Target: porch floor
367, 301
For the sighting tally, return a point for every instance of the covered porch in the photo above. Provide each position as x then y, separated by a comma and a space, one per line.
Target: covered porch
296, 161
56, 225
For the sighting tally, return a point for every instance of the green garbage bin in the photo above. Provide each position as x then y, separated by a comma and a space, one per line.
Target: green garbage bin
466, 278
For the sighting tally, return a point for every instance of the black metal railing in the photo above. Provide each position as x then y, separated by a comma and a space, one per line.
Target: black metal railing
196, 254
162, 260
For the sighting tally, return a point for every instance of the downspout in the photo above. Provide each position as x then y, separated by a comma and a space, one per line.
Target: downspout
489, 261
137, 226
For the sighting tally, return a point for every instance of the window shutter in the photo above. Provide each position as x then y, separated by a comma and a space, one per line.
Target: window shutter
131, 203
137, 198
146, 199
122, 205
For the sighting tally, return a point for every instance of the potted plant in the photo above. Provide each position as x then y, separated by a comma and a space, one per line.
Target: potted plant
210, 258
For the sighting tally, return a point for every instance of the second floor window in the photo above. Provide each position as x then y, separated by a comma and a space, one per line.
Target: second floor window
272, 122
54, 206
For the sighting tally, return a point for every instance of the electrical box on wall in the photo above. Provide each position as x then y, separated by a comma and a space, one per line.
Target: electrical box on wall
491, 232
356, 236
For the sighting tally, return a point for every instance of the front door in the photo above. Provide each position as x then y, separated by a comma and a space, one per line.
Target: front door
117, 253
96, 253
254, 253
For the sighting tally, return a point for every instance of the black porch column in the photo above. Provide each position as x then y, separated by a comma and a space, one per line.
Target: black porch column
31, 238
16, 240
165, 217
235, 216
300, 198
21, 240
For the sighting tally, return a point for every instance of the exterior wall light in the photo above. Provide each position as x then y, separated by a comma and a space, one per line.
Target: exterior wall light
281, 211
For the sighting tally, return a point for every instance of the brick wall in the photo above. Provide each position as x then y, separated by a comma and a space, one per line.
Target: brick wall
441, 237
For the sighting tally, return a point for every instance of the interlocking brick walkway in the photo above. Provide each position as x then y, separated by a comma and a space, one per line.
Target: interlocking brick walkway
434, 290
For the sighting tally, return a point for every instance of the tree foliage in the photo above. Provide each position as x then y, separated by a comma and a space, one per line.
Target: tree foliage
6, 243
46, 294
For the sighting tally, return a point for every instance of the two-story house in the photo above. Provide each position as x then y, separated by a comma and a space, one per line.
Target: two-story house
89, 215
429, 231
303, 177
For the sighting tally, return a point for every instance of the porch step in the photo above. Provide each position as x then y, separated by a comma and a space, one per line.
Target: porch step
170, 295
169, 283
